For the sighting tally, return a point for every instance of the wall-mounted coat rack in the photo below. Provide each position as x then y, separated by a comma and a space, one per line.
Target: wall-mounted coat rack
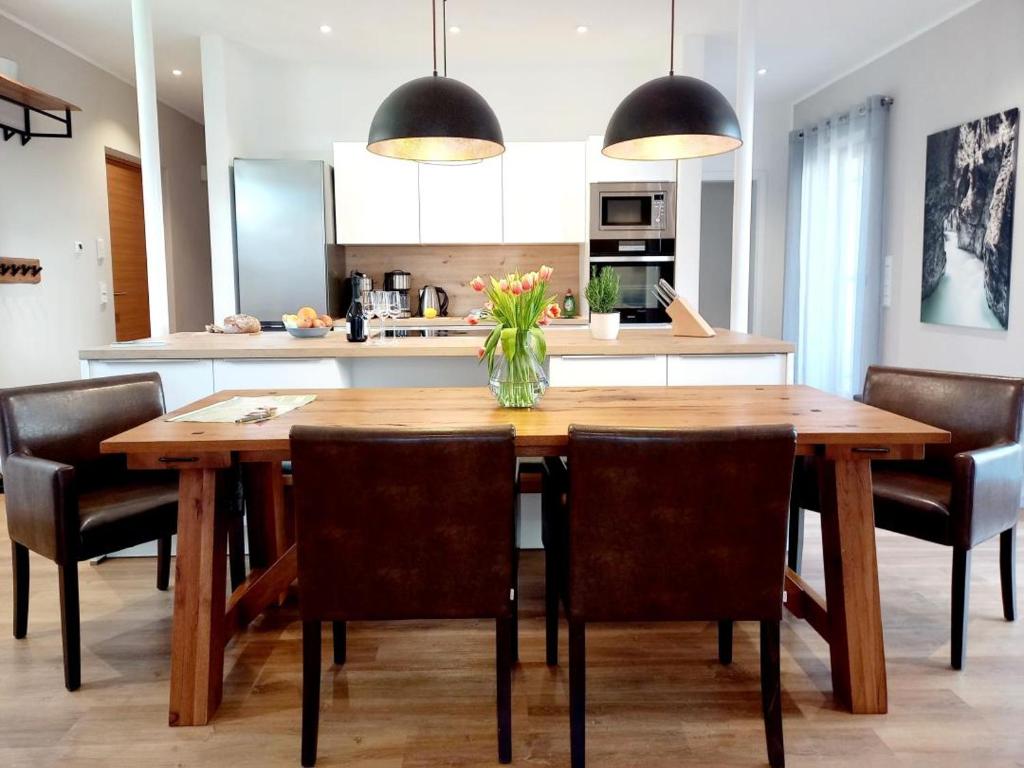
34, 105
20, 271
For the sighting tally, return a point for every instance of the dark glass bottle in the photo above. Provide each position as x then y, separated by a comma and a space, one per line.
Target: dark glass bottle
356, 321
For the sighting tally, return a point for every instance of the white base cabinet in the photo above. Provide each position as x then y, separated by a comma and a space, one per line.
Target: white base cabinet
184, 381
607, 371
710, 370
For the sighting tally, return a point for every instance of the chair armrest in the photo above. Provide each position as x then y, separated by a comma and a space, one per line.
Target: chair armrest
42, 505
986, 492
858, 398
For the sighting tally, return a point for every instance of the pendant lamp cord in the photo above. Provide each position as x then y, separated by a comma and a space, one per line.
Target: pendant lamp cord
672, 42
444, 33
433, 27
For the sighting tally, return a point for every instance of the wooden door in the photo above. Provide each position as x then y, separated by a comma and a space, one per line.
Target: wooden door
128, 249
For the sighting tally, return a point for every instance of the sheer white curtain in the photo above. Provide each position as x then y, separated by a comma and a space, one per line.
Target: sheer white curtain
832, 308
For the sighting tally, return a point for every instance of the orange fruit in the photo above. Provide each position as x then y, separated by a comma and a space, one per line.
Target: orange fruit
308, 312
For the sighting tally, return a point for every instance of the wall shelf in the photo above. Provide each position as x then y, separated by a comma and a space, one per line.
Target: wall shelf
20, 271
34, 104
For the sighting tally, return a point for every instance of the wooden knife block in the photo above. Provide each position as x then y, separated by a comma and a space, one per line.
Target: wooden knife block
686, 321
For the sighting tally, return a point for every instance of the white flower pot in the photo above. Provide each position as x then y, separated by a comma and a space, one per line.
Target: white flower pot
8, 68
604, 326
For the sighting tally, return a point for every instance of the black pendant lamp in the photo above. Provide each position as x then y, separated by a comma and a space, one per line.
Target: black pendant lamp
672, 118
435, 119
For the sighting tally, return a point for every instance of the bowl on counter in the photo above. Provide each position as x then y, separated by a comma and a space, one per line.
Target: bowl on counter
308, 333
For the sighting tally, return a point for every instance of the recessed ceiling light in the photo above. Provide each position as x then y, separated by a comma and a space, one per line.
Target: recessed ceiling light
582, 29
763, 71
176, 72
454, 29
325, 28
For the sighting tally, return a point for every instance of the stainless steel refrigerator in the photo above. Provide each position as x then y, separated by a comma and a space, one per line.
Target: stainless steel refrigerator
284, 238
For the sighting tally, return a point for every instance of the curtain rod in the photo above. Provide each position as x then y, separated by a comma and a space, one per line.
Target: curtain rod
885, 101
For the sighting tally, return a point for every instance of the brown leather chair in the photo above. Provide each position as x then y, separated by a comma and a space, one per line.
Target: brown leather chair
962, 493
395, 525
66, 501
678, 526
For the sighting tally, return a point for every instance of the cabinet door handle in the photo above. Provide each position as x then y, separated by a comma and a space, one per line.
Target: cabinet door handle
609, 357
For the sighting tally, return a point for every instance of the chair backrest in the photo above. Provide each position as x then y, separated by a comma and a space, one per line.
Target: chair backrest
67, 421
678, 525
978, 411
399, 524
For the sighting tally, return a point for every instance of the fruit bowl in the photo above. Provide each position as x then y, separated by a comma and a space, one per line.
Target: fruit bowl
308, 333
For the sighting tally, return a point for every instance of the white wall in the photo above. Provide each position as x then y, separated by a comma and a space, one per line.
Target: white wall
968, 67
53, 192
265, 107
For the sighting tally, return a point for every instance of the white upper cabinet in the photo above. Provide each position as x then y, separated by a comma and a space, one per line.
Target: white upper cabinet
601, 168
545, 191
461, 203
376, 199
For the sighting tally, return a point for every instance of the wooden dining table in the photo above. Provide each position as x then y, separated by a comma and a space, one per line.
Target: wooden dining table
846, 436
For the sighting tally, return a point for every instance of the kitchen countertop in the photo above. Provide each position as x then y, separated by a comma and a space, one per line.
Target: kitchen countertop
561, 341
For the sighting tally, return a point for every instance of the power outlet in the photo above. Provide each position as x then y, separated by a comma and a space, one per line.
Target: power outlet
78, 248
104, 294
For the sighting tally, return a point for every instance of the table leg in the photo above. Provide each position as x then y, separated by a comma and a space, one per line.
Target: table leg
851, 585
264, 506
197, 635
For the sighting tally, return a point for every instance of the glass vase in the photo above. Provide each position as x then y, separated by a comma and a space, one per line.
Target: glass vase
521, 381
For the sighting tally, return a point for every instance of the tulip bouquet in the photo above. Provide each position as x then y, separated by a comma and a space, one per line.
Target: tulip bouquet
520, 305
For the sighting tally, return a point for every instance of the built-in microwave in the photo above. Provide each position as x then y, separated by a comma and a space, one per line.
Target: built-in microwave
633, 210
640, 264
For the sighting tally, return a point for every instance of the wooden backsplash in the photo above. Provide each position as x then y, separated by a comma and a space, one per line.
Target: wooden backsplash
452, 267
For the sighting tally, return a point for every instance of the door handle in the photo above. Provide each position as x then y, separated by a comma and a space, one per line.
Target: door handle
120, 293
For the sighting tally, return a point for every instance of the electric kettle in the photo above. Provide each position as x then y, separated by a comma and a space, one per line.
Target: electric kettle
432, 296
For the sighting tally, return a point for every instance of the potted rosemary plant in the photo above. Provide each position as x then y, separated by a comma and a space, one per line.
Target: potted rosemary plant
603, 296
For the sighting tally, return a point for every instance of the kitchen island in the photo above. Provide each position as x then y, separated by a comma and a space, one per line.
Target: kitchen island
195, 365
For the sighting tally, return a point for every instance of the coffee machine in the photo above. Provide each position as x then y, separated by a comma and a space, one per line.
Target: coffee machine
356, 284
401, 281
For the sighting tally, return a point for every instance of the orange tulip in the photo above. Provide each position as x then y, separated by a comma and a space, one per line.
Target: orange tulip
545, 273
516, 287
472, 320
477, 284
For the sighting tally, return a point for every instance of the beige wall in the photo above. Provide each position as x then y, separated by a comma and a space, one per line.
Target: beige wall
53, 192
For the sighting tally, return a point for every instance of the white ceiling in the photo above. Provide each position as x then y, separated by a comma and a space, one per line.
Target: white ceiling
803, 44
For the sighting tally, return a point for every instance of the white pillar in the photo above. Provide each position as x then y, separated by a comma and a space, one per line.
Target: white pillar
743, 173
152, 187
688, 193
218, 175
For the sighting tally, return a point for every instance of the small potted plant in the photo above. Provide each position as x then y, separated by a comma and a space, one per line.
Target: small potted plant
603, 296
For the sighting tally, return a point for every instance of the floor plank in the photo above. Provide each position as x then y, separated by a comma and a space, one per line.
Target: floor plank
421, 693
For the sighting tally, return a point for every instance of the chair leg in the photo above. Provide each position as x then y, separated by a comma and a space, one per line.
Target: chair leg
339, 632
771, 693
961, 595
515, 607
577, 694
310, 690
163, 563
70, 628
503, 629
1007, 571
19, 557
236, 551
551, 590
795, 555
725, 642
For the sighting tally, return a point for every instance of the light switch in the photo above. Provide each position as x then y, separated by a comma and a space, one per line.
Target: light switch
101, 250
104, 295
887, 281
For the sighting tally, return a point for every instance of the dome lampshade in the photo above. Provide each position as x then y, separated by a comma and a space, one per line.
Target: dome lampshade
672, 118
435, 119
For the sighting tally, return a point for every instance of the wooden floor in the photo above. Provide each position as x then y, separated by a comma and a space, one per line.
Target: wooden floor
422, 694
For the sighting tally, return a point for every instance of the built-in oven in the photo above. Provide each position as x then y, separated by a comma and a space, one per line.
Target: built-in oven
640, 264
633, 210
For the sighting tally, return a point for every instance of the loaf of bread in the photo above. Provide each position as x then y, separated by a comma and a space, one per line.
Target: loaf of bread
236, 324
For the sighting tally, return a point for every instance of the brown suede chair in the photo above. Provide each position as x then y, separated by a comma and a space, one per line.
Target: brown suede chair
67, 502
678, 526
962, 493
395, 525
